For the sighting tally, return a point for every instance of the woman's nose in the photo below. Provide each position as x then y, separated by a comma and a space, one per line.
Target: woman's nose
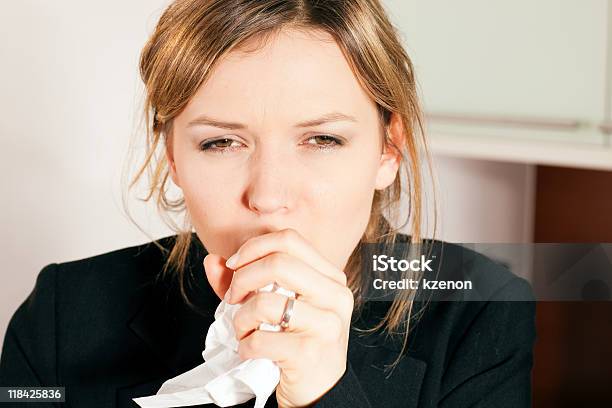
270, 186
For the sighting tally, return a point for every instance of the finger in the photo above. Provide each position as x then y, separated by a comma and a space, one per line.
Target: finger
279, 347
290, 273
291, 242
267, 307
219, 276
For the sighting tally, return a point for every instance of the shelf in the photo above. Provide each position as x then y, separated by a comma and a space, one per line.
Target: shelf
592, 153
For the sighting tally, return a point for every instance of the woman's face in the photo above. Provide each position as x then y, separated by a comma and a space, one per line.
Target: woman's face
281, 138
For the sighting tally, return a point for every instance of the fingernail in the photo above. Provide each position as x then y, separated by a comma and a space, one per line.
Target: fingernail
232, 261
227, 295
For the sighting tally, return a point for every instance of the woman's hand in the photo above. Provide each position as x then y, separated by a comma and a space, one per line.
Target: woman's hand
311, 353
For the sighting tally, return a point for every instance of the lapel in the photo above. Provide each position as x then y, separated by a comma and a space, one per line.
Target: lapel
172, 334
166, 324
395, 387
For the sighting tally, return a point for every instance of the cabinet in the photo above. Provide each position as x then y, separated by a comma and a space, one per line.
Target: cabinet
496, 76
517, 58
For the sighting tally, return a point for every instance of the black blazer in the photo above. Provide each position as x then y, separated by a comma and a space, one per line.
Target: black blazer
108, 331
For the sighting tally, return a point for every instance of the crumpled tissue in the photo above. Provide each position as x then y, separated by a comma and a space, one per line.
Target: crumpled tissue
223, 379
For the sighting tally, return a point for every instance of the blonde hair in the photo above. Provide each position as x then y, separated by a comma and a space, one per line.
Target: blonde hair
192, 35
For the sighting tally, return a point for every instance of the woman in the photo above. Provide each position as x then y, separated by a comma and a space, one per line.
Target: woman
284, 124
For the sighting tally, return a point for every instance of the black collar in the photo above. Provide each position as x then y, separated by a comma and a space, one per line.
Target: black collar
173, 331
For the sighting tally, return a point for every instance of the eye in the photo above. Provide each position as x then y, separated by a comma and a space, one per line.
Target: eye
328, 142
224, 145
219, 145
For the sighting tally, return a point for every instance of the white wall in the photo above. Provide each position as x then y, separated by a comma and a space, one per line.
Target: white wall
485, 201
70, 95
69, 91
482, 203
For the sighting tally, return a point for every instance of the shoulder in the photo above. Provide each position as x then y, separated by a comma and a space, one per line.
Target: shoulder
479, 328
506, 296
494, 287
478, 345
138, 262
98, 284
75, 306
486, 341
500, 307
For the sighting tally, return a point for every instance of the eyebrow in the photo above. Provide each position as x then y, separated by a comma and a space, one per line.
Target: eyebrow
328, 117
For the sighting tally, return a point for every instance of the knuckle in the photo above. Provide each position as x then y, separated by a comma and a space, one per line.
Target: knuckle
308, 349
289, 236
343, 278
276, 264
258, 301
247, 347
332, 330
348, 300
254, 341
274, 260
243, 348
288, 233
262, 302
236, 281
236, 323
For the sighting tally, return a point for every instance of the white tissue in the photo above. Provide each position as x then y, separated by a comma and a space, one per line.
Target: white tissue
223, 379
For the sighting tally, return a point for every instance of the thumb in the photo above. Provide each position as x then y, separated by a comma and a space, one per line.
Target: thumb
219, 276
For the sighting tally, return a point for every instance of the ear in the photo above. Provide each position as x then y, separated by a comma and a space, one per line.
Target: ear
170, 159
390, 159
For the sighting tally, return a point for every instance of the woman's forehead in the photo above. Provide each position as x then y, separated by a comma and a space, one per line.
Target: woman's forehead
292, 70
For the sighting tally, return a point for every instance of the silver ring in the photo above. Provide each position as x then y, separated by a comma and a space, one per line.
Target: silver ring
287, 313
